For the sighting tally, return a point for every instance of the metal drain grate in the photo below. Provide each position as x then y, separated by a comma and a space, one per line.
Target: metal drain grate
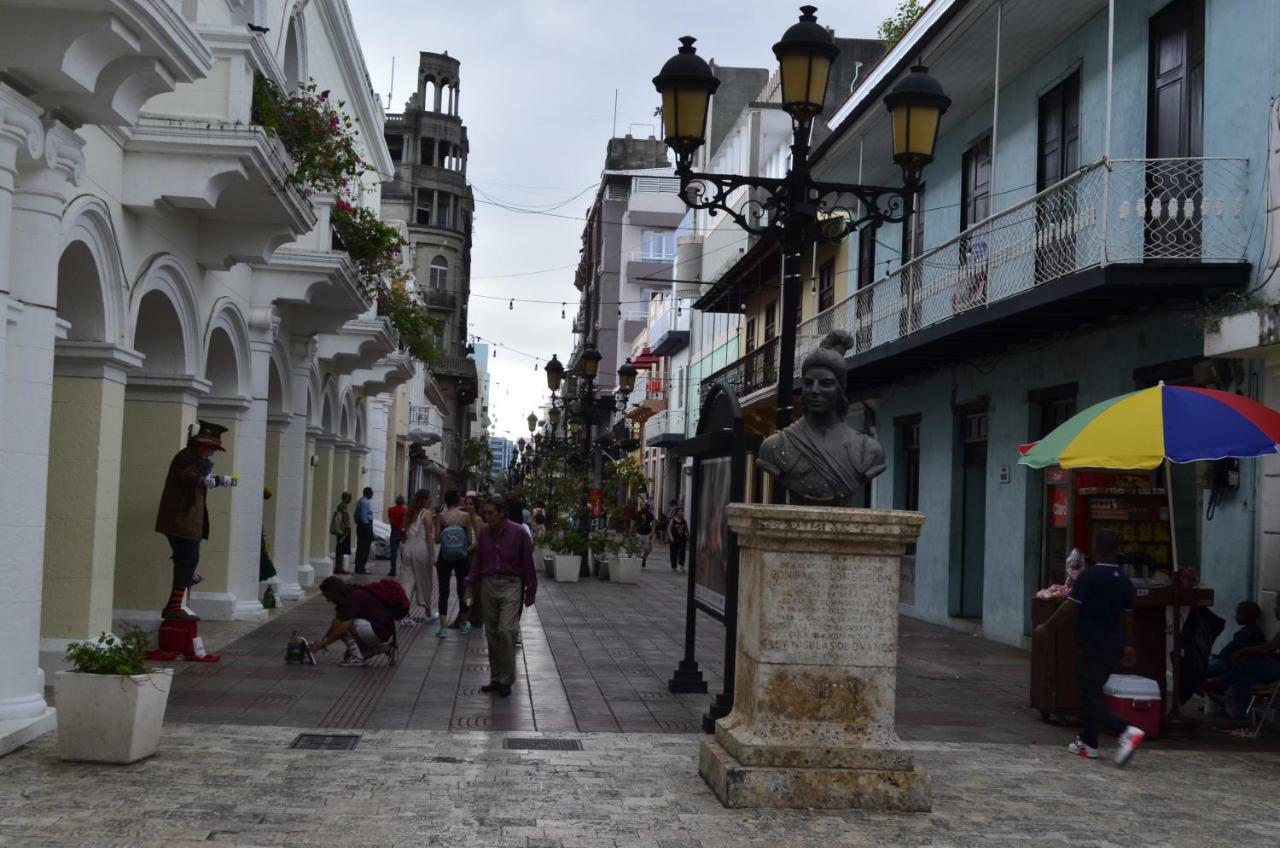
542, 744
325, 742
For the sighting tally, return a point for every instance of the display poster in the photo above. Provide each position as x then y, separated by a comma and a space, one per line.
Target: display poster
596, 498
712, 532
1061, 506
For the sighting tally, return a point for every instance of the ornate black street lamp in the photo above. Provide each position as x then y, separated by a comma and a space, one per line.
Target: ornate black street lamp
797, 210
585, 411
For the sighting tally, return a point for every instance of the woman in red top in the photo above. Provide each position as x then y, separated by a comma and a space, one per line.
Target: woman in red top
395, 518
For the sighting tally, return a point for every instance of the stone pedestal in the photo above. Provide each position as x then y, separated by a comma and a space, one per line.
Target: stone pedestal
812, 723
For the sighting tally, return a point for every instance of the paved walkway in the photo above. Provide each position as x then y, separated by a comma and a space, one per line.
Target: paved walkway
243, 786
594, 665
596, 658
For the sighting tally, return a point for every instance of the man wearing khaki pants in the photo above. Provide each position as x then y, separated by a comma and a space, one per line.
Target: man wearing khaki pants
502, 577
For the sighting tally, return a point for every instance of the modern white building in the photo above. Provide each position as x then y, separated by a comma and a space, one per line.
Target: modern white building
157, 265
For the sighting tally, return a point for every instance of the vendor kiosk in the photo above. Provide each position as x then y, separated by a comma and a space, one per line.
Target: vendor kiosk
1079, 505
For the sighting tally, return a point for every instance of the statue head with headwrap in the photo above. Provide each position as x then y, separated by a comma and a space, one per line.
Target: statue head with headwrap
823, 377
820, 459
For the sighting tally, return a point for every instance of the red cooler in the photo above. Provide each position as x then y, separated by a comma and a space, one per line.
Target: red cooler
1136, 700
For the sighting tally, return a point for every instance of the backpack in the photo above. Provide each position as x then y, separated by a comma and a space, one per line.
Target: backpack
391, 594
453, 542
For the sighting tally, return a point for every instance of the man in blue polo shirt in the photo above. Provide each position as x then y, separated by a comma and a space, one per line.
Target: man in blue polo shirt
1101, 602
364, 530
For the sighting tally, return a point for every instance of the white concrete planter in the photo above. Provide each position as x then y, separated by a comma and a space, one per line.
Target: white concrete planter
110, 718
625, 570
566, 568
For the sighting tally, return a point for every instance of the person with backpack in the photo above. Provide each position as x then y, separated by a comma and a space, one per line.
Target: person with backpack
418, 551
456, 538
364, 618
340, 528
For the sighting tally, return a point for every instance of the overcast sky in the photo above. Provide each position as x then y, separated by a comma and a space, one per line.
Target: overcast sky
538, 83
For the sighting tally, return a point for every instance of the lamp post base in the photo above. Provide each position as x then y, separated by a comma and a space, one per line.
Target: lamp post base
687, 679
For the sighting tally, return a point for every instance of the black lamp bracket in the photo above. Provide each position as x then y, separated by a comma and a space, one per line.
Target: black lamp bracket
836, 209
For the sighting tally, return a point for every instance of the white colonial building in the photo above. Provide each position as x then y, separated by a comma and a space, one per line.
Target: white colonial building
157, 265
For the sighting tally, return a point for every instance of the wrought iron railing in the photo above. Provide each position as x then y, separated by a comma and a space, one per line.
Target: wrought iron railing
667, 421
1111, 211
440, 298
421, 418
756, 371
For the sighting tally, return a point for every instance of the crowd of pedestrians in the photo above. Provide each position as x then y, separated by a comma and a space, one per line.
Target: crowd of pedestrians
476, 548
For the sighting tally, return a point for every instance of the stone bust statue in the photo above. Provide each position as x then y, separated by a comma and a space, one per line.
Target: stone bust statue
820, 459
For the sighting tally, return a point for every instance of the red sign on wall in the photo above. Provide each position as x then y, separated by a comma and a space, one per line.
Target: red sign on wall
1061, 506
596, 499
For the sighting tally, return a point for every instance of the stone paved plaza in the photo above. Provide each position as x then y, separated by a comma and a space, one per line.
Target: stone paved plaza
594, 665
241, 785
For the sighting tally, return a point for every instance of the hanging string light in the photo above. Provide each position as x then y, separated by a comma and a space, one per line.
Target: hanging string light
511, 305
562, 312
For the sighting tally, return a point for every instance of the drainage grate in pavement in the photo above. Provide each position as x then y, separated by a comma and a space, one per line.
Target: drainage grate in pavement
325, 742
542, 744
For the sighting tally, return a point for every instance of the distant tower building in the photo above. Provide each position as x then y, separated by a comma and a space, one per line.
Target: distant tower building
429, 191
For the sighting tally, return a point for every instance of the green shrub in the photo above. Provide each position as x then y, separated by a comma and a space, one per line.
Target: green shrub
110, 654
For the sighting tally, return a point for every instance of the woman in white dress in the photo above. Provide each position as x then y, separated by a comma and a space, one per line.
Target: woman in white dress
418, 553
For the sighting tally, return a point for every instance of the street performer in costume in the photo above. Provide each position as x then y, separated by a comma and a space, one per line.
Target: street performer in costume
821, 459
183, 518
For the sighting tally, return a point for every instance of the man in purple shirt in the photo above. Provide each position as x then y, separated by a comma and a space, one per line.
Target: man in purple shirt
501, 578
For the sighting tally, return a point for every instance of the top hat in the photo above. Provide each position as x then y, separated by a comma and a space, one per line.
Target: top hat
209, 434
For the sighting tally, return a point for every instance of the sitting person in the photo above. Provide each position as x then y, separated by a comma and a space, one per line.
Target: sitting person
1249, 617
1254, 665
360, 620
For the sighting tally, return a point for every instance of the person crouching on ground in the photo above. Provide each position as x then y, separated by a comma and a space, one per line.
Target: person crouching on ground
1101, 602
361, 621
502, 577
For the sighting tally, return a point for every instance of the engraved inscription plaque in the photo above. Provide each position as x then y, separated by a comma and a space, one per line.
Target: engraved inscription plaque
823, 610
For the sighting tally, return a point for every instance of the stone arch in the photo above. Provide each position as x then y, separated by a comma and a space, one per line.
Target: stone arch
279, 384
348, 414
91, 283
162, 318
294, 58
331, 407
315, 398
227, 353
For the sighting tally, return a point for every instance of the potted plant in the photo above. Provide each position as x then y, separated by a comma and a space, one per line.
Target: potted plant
626, 562
567, 545
110, 704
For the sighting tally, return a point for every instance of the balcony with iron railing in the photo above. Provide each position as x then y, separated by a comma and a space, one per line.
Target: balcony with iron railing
439, 299
669, 322
749, 376
651, 266
426, 425
1116, 237
664, 429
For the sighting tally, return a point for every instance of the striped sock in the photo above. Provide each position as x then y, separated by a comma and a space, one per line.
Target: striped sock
176, 597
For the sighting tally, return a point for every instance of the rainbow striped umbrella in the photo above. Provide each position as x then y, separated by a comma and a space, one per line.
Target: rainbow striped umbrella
1163, 423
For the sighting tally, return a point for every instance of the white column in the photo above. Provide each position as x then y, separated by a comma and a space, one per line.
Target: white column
290, 499
251, 453
21, 134
377, 410
38, 195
